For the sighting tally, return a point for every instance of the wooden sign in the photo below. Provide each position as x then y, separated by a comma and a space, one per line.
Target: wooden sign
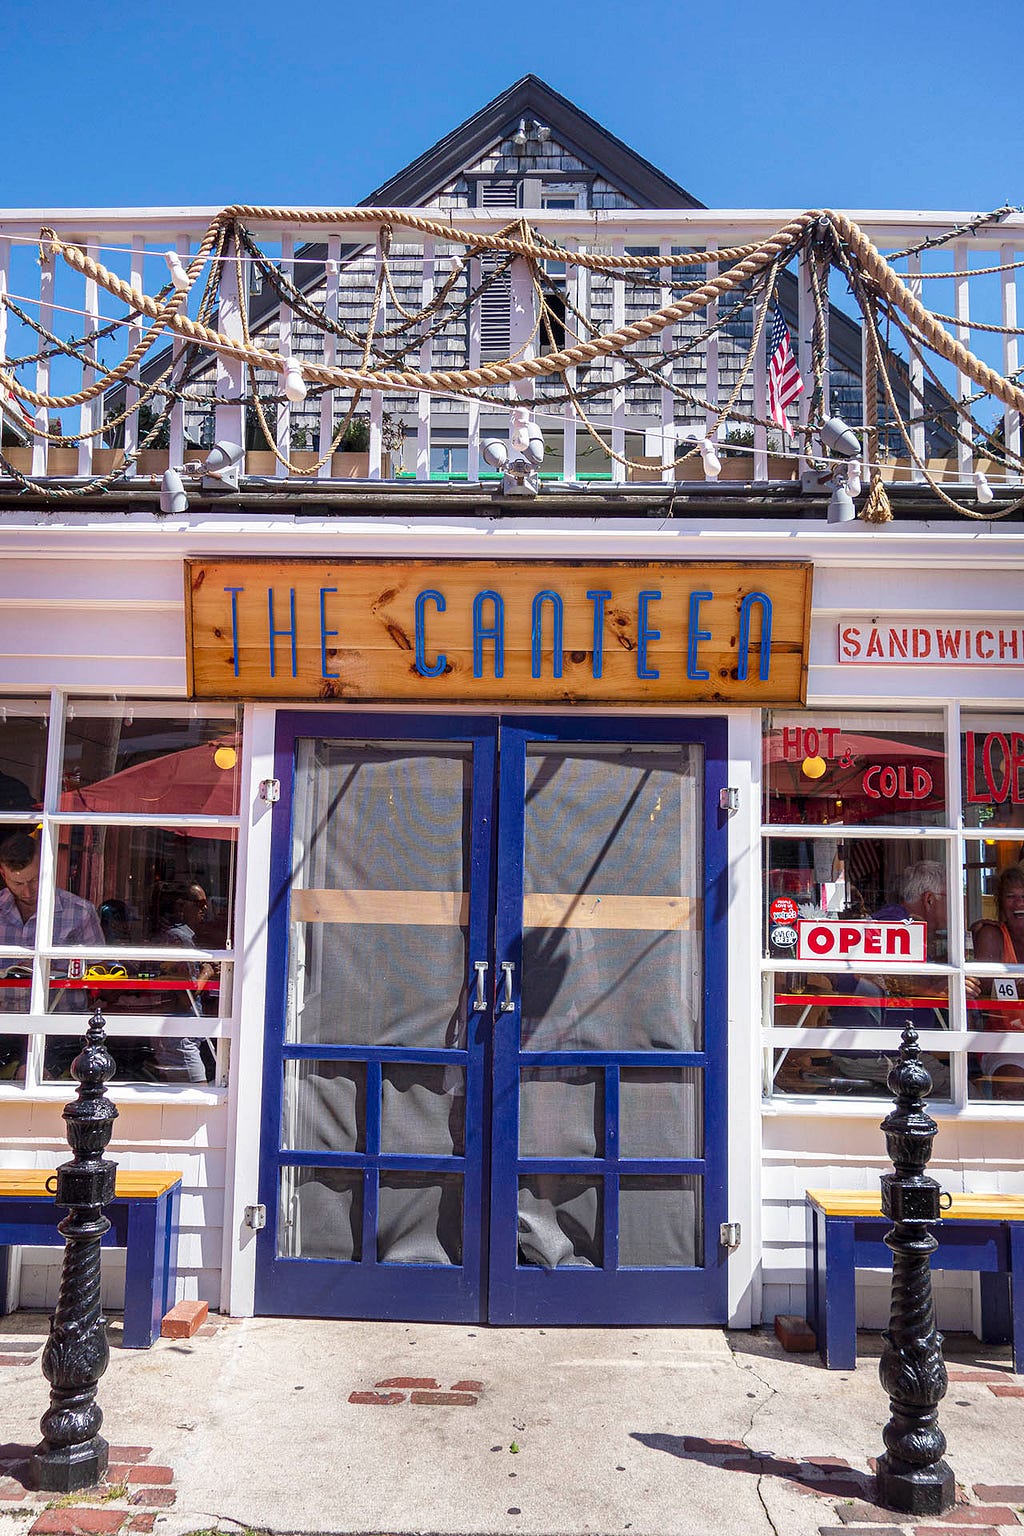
498, 631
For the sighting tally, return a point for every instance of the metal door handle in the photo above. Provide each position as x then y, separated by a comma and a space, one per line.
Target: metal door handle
480, 1000
506, 1005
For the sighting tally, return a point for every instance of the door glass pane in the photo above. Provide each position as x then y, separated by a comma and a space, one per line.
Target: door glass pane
321, 1214
419, 1218
561, 1112
560, 1219
423, 1109
324, 1106
661, 1222
379, 903
661, 1112
612, 919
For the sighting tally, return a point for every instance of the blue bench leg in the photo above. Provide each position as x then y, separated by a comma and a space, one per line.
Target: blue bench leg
996, 1308
1016, 1236
812, 1307
5, 1278
151, 1267
839, 1347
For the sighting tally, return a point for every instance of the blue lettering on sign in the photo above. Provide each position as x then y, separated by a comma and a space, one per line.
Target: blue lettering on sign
696, 634
765, 659
494, 632
598, 598
424, 667
277, 634
234, 624
325, 633
645, 634
557, 617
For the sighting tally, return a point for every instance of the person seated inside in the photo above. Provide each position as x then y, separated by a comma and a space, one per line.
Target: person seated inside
1003, 941
75, 921
181, 908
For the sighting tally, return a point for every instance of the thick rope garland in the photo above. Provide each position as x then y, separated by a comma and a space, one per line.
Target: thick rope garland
851, 250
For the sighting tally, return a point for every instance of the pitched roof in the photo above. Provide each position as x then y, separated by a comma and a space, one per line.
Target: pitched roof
581, 135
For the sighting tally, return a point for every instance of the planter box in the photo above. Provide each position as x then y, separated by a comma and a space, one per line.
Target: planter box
735, 466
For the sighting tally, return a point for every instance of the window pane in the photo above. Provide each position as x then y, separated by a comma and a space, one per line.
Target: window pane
144, 885
22, 757
419, 1218
661, 1112
195, 989
997, 1077
847, 881
186, 1060
561, 1112
324, 1107
560, 1219
661, 1222
13, 1052
141, 765
320, 1214
847, 1001
862, 769
993, 772
423, 1109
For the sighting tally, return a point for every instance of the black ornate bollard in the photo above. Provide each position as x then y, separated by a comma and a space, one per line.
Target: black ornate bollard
912, 1475
73, 1454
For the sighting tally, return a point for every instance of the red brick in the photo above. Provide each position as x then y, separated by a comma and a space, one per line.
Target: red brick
10, 1488
17, 1360
795, 1334
1000, 1493
467, 1386
698, 1443
876, 1530
970, 1514
133, 1453
943, 1530
1007, 1391
385, 1399
444, 1399
182, 1321
426, 1383
979, 1375
208, 1331
150, 1475
152, 1498
79, 1520
142, 1523
828, 1463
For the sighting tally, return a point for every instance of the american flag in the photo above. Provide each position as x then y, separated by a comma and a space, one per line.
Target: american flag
784, 381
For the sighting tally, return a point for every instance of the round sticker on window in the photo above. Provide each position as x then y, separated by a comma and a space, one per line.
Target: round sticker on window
783, 936
784, 910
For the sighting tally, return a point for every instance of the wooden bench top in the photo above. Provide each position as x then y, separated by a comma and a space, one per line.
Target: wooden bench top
129, 1184
864, 1202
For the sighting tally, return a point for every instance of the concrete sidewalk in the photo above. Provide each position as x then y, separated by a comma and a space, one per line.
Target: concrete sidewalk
311, 1426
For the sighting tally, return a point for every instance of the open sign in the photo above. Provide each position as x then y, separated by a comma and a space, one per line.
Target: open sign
870, 940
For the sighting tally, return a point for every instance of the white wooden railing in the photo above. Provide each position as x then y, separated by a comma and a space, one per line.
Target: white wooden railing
132, 243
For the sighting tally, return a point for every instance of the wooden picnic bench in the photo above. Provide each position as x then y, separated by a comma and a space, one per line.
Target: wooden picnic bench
143, 1219
845, 1231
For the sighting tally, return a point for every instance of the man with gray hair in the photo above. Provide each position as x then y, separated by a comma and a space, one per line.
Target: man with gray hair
922, 900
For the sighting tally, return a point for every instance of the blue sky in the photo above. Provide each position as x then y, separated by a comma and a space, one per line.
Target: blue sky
788, 104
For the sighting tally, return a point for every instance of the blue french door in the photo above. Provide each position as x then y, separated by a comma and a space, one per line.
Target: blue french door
495, 1062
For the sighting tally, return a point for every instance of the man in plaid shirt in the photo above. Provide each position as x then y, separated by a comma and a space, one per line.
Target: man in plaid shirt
75, 921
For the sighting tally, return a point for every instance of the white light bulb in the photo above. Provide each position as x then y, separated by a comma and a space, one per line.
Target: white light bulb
519, 429
982, 489
294, 383
853, 481
712, 463
179, 277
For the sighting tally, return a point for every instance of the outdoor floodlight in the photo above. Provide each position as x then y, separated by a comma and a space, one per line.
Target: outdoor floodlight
223, 465
841, 508
294, 383
519, 137
179, 277
519, 458
173, 499
709, 457
839, 439
982, 489
543, 132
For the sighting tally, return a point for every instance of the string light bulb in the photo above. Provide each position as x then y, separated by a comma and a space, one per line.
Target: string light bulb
813, 767
294, 383
179, 276
225, 757
853, 480
982, 489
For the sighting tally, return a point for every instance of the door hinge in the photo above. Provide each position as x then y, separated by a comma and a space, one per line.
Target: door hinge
270, 790
256, 1217
729, 800
730, 1235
